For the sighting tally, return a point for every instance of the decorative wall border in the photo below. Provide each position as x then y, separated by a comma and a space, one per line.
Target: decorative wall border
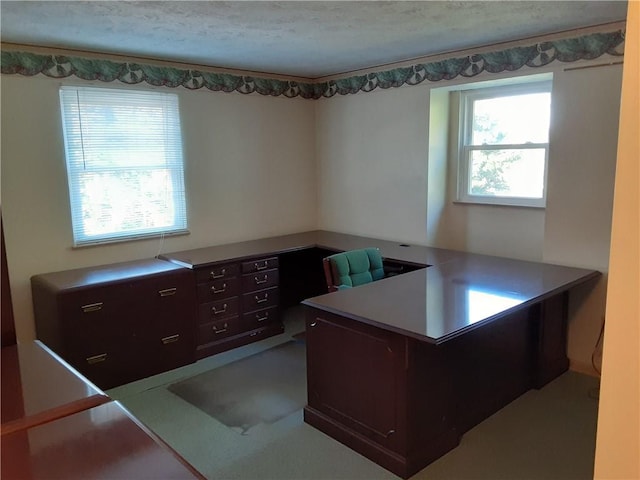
586, 47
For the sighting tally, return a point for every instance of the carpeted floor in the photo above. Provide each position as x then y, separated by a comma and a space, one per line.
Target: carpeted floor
261, 388
544, 434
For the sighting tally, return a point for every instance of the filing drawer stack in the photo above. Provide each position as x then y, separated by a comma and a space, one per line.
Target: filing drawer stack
237, 303
118, 323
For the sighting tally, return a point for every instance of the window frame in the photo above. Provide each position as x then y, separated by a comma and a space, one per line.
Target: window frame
465, 148
177, 175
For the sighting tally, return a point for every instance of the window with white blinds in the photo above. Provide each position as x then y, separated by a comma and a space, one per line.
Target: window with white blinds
124, 163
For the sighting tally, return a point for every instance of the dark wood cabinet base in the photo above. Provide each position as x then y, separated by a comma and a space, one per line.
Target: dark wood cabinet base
239, 340
402, 402
403, 466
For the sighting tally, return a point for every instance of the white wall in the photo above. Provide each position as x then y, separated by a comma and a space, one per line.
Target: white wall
582, 165
250, 172
372, 169
375, 148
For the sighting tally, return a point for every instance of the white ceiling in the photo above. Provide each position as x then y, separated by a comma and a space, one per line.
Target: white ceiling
302, 38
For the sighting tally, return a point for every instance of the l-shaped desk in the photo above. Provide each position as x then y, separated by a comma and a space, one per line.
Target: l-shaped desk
400, 368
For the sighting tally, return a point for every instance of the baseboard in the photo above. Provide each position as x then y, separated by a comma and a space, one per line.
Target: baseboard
584, 368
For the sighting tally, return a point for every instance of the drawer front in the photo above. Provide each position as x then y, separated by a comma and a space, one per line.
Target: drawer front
165, 305
106, 367
260, 318
218, 289
260, 265
95, 314
214, 311
218, 272
214, 331
161, 353
259, 280
260, 300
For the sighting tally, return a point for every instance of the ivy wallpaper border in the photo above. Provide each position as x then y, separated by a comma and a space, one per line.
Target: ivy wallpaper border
586, 47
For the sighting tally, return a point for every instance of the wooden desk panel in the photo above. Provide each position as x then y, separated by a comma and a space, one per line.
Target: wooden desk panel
104, 442
38, 386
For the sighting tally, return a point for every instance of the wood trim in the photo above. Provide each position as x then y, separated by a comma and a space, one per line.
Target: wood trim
53, 414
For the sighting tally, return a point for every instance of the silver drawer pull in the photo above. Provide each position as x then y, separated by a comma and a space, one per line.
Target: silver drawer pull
214, 291
262, 300
97, 358
167, 292
215, 311
260, 282
262, 319
170, 339
222, 330
259, 267
92, 307
215, 275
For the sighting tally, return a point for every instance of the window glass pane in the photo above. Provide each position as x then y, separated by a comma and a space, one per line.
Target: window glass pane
126, 201
124, 163
511, 119
507, 172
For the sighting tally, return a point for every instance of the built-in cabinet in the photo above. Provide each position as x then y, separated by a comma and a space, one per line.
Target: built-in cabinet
237, 304
118, 323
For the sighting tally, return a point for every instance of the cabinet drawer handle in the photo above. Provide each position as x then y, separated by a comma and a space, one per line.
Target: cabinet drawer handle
97, 358
262, 319
259, 267
215, 311
167, 292
260, 282
262, 300
222, 330
215, 275
214, 291
170, 339
92, 307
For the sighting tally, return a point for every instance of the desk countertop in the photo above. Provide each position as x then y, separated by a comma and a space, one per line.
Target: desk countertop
458, 291
444, 301
38, 386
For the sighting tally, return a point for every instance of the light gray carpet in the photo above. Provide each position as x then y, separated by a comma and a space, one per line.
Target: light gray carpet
544, 434
262, 388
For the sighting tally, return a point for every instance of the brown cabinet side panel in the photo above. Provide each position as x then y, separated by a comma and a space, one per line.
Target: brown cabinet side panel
356, 375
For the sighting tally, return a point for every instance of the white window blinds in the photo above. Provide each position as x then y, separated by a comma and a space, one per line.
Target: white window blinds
124, 163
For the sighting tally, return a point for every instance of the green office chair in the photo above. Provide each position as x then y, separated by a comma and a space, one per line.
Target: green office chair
353, 268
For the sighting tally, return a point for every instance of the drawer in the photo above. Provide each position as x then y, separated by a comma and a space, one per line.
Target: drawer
217, 272
218, 310
164, 305
260, 318
105, 367
260, 300
213, 331
161, 353
218, 289
259, 280
94, 315
260, 265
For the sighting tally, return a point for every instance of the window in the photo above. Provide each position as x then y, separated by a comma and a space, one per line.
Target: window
504, 144
124, 163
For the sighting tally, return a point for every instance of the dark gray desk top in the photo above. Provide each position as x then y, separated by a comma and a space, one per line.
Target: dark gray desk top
458, 292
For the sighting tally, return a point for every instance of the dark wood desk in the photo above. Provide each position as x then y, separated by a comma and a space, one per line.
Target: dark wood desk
104, 442
399, 369
38, 387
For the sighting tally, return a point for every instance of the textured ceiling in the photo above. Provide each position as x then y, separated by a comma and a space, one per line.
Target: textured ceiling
309, 39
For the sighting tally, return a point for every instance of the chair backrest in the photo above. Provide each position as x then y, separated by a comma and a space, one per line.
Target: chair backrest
353, 268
